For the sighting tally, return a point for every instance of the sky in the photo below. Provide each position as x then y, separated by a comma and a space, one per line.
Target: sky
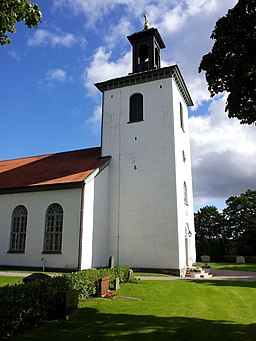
48, 101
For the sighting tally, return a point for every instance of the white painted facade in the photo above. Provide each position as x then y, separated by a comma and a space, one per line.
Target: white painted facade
150, 163
84, 226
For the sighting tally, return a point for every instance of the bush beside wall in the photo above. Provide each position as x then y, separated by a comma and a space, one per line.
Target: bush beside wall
24, 305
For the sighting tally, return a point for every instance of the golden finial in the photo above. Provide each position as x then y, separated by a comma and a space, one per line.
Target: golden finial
146, 23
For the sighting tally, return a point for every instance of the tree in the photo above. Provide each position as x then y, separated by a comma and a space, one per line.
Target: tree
240, 216
230, 66
209, 223
13, 11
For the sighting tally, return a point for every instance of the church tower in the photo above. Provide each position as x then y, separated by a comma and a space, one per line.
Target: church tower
145, 131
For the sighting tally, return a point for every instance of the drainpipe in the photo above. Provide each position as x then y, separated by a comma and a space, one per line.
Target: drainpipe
43, 260
81, 228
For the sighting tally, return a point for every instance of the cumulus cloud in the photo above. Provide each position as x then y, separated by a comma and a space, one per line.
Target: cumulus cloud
94, 121
223, 155
59, 75
103, 68
43, 37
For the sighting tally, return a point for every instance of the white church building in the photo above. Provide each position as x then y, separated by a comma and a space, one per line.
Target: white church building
130, 199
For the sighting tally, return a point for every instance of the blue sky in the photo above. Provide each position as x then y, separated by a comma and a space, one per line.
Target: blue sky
48, 102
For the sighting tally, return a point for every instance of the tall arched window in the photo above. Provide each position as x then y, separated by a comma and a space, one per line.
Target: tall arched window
53, 229
18, 229
136, 108
185, 192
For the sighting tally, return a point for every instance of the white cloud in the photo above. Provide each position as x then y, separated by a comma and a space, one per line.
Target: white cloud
223, 155
15, 55
102, 68
57, 75
94, 121
44, 37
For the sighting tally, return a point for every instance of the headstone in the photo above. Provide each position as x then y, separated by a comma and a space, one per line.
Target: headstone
111, 262
37, 276
104, 285
117, 284
205, 258
240, 259
70, 303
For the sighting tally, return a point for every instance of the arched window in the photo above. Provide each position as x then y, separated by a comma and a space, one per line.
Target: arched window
136, 108
181, 118
18, 229
53, 229
185, 192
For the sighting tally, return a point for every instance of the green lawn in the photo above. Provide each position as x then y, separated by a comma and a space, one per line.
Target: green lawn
4, 280
168, 310
231, 266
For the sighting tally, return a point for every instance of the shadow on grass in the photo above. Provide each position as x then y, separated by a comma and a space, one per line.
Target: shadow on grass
90, 324
224, 283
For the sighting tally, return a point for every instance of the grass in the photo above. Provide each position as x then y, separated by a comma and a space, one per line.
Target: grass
168, 310
231, 266
4, 280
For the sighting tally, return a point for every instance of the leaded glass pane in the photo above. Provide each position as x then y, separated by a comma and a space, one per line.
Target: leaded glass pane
53, 228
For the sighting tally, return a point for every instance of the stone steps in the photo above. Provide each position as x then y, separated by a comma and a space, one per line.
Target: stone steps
198, 274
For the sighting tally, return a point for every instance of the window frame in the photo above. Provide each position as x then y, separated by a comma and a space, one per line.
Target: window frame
136, 109
53, 234
18, 229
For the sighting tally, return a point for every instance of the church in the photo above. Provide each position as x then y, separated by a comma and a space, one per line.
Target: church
130, 199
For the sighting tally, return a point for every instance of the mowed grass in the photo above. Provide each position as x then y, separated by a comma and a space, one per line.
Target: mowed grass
4, 280
231, 266
168, 310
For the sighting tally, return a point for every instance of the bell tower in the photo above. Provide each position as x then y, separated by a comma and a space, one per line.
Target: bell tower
145, 131
146, 47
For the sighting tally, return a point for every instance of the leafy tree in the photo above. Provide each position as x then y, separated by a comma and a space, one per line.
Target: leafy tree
231, 66
209, 223
240, 216
13, 11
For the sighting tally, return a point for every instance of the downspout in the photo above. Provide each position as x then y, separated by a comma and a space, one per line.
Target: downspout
81, 229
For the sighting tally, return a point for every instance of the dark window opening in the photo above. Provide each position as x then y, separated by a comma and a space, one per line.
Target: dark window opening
136, 108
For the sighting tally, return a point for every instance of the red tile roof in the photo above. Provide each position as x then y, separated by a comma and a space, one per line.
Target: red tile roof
51, 169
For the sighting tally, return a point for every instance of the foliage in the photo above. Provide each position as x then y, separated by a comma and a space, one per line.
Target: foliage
230, 66
86, 282
209, 223
23, 305
215, 248
168, 310
13, 11
240, 215
234, 229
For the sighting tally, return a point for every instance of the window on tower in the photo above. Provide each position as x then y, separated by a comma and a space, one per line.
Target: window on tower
181, 118
136, 108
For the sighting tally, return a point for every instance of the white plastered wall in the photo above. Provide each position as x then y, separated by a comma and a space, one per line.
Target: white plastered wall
95, 221
37, 204
142, 177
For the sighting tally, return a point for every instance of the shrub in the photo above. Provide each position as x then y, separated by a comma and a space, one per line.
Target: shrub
250, 259
229, 259
85, 282
23, 305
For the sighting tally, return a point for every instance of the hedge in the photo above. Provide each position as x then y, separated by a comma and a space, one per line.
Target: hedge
24, 305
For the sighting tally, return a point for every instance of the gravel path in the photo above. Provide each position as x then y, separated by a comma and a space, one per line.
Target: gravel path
228, 275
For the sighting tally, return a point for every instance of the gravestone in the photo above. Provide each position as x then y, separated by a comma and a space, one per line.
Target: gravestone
205, 258
70, 303
240, 259
36, 276
104, 285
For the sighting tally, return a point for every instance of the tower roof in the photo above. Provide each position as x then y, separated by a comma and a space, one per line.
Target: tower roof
141, 35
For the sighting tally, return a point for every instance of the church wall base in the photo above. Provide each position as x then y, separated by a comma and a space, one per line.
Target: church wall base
174, 272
